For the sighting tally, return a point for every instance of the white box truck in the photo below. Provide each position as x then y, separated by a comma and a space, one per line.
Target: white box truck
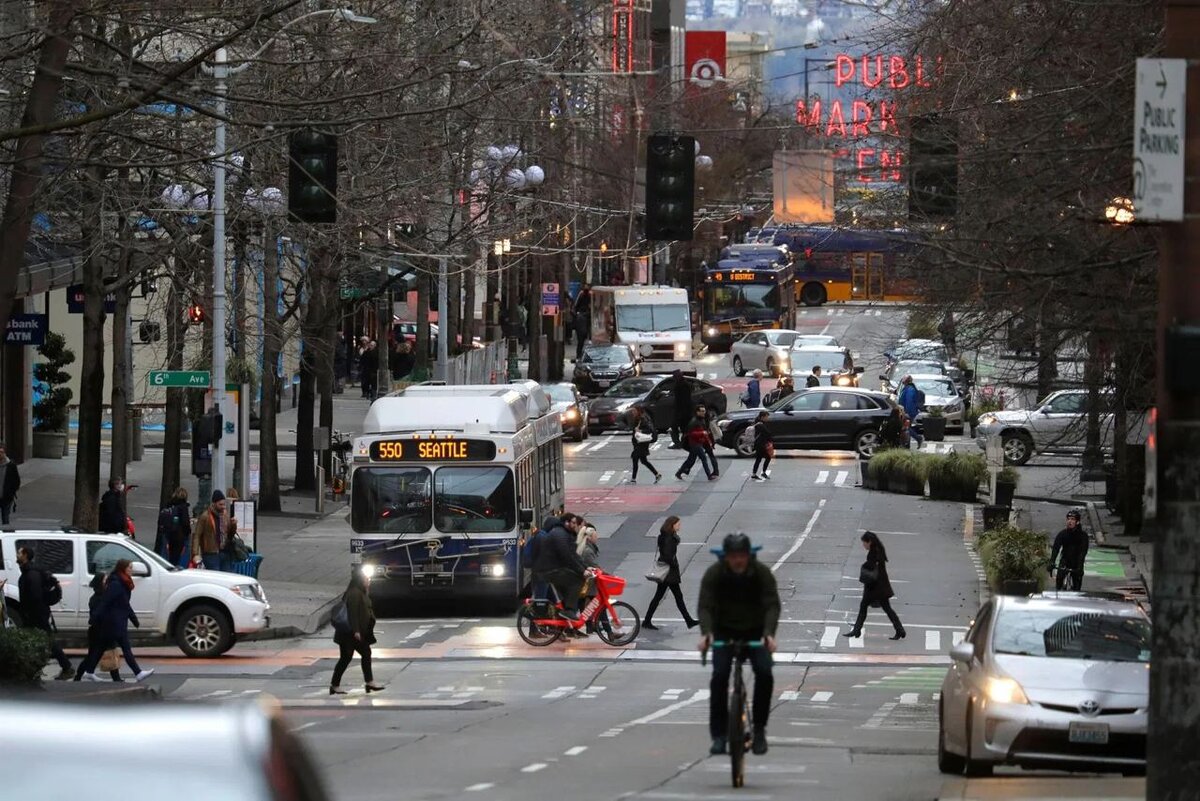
655, 320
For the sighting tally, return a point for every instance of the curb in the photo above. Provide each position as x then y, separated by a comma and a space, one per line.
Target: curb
67, 692
315, 621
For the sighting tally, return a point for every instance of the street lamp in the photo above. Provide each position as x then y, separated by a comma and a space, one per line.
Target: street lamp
221, 71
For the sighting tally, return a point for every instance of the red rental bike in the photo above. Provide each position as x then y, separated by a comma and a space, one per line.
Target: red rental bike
540, 622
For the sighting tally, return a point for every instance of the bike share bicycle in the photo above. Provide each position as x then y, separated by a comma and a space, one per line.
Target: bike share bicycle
540, 622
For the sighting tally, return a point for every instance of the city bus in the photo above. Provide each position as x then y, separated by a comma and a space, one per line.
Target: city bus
750, 288
444, 482
655, 320
840, 264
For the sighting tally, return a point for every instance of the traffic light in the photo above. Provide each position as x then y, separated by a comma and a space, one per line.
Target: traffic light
149, 331
312, 177
209, 429
196, 315
670, 187
932, 168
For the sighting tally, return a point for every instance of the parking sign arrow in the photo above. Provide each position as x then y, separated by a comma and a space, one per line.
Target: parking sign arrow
1161, 83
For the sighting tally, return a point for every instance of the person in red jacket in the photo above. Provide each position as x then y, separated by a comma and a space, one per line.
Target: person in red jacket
699, 442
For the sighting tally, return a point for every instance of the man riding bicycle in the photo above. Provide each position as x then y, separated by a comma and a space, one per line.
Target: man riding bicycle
739, 600
556, 562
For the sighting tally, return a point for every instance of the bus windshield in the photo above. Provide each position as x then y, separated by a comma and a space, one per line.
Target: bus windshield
730, 300
644, 319
475, 500
393, 500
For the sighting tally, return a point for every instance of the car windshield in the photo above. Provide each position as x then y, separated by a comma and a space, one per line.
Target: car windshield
630, 388
1067, 634
939, 387
392, 500
607, 354
150, 556
909, 368
667, 317
560, 393
930, 351
807, 340
474, 499
831, 361
782, 339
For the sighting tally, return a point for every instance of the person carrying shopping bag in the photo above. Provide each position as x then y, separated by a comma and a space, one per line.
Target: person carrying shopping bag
643, 436
669, 579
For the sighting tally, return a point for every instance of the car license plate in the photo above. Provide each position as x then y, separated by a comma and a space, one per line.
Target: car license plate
433, 567
603, 383
1090, 733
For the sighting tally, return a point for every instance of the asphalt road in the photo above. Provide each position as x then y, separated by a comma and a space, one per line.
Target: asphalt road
470, 709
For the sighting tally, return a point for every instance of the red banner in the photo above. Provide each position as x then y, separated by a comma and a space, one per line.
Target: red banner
704, 58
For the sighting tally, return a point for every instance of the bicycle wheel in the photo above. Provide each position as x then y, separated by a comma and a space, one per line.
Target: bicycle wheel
533, 633
737, 730
622, 631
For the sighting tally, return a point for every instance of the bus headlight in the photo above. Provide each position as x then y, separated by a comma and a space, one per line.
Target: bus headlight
495, 570
371, 571
712, 332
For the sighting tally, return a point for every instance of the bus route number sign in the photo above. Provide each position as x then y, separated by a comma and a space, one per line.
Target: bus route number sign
737, 275
433, 450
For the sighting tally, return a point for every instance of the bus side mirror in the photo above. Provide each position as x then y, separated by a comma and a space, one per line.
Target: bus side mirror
526, 517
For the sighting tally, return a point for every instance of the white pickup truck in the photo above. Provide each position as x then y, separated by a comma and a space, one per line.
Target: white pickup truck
204, 611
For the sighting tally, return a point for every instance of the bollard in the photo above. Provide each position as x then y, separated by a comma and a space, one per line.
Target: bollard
320, 490
136, 450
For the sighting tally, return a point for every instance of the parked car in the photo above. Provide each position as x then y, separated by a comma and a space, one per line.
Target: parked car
602, 365
1058, 422
655, 392
1048, 682
941, 393
918, 350
767, 350
259, 757
205, 611
815, 339
836, 363
571, 406
894, 372
822, 418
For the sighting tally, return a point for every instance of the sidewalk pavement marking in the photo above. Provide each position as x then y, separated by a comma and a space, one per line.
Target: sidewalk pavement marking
699, 695
559, 692
479, 788
575, 750
1106, 564
957, 636
812, 521
606, 477
858, 642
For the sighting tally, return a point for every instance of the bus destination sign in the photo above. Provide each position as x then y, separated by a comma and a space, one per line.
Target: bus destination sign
738, 275
433, 450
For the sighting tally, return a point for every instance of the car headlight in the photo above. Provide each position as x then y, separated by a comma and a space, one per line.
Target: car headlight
987, 419
570, 414
722, 424
246, 591
953, 406
843, 381
1005, 691
682, 349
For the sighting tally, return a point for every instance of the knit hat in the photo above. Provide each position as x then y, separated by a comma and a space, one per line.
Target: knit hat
217, 496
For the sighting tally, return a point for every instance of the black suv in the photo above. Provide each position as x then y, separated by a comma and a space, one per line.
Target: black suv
604, 365
821, 418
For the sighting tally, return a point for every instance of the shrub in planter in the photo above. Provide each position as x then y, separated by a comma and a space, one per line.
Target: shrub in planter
956, 477
23, 654
909, 472
50, 412
1006, 486
934, 424
881, 466
1012, 554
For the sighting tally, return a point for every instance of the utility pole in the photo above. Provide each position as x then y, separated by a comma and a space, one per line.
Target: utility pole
1173, 772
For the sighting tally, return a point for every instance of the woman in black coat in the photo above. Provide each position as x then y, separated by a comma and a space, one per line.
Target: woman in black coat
877, 589
113, 615
360, 636
95, 641
668, 554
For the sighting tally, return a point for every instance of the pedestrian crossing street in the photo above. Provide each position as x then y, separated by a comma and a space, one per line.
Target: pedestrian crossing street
618, 443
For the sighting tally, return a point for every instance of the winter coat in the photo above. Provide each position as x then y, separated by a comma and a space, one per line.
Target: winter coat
736, 607
115, 612
762, 436
362, 618
590, 554
881, 588
12, 483
753, 393
1074, 546
682, 395
812, 381
35, 612
668, 554
205, 539
112, 513
910, 401
555, 550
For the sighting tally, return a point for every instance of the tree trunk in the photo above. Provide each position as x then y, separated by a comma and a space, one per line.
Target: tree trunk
324, 351
1093, 457
421, 366
118, 400
268, 444
173, 435
91, 364
40, 108
467, 323
533, 320
306, 476
454, 313
1048, 341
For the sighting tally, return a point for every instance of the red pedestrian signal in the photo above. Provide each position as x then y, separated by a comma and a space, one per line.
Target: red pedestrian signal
195, 314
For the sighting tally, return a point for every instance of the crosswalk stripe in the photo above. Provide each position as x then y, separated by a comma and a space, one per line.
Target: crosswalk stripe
857, 642
608, 474
841, 478
933, 640
821, 697
829, 638
822, 477
789, 695
560, 692
910, 698
957, 637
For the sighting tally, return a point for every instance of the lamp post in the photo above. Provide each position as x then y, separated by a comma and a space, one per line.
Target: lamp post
221, 71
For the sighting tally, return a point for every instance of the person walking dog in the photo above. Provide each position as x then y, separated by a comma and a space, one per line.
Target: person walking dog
668, 556
877, 589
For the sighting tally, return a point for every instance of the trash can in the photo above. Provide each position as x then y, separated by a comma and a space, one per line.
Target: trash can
134, 417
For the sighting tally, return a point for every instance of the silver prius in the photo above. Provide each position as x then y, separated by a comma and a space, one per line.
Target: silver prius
765, 350
1048, 682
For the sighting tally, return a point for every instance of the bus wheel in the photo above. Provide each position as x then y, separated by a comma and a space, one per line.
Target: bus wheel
813, 294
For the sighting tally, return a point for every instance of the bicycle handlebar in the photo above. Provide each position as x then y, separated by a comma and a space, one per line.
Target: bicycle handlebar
725, 643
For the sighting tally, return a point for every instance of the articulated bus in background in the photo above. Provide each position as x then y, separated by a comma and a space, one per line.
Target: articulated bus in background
750, 288
840, 264
444, 482
655, 320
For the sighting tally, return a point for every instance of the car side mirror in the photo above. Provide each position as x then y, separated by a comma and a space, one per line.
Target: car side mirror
526, 517
859, 370
963, 652
787, 410
139, 569
883, 378
1045, 410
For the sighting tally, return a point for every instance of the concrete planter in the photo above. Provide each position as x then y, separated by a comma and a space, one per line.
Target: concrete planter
935, 428
49, 444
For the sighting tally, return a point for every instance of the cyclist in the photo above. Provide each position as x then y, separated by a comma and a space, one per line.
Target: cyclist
556, 562
739, 600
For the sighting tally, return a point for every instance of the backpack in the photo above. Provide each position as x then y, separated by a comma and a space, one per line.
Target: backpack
166, 521
920, 397
51, 589
745, 439
340, 618
235, 548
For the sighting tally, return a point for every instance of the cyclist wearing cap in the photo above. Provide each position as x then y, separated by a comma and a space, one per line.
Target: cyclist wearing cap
739, 600
1073, 542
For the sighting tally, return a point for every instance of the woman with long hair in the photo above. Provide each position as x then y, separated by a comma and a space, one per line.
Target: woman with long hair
668, 554
114, 613
643, 435
359, 637
877, 589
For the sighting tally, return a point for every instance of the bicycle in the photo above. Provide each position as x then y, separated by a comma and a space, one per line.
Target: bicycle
540, 622
740, 727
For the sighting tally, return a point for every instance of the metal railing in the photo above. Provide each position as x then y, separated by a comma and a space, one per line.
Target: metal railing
486, 365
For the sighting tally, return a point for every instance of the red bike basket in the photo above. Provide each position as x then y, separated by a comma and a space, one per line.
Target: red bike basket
613, 585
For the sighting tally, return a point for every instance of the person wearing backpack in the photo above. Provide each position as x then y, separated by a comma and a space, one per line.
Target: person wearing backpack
39, 591
354, 630
911, 399
174, 528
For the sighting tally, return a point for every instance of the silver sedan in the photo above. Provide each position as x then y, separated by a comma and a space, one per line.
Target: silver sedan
767, 350
1048, 682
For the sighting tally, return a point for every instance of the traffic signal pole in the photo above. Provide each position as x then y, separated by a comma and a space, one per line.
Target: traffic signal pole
1173, 769
220, 74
